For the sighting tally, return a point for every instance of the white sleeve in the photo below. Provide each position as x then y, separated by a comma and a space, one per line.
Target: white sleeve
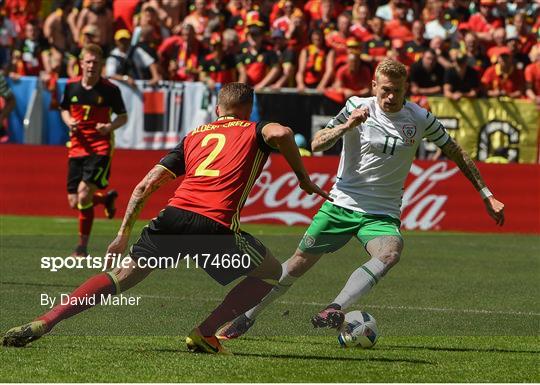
352, 103
111, 67
146, 59
434, 130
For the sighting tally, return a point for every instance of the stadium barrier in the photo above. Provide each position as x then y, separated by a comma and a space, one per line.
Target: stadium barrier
436, 196
159, 116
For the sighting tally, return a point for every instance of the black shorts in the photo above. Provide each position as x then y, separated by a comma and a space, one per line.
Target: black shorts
184, 239
94, 169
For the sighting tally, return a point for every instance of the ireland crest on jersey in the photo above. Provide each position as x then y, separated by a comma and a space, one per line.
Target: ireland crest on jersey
409, 131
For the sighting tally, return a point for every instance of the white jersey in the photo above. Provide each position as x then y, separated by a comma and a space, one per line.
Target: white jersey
377, 155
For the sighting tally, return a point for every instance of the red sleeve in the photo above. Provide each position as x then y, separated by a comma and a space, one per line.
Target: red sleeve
488, 76
529, 73
167, 44
339, 73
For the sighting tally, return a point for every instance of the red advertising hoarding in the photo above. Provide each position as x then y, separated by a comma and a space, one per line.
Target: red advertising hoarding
436, 196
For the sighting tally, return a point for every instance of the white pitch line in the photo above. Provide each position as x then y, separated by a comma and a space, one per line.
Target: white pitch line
387, 307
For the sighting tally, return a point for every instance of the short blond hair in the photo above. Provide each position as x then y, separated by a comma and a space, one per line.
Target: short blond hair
392, 69
93, 49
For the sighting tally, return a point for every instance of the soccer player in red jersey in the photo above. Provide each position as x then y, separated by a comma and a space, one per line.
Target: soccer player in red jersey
220, 163
86, 109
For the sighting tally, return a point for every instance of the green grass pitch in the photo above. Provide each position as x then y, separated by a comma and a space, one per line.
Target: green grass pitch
457, 308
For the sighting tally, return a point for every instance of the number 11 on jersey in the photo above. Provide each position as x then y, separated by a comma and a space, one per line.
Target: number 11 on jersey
390, 142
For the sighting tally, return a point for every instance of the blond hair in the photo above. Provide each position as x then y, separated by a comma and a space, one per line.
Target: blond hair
392, 69
93, 49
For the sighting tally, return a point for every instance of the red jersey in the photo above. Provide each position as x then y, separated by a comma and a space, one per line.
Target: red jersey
494, 79
354, 80
90, 107
221, 162
532, 76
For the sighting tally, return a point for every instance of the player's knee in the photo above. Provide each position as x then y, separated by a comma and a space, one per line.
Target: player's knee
127, 277
390, 259
301, 262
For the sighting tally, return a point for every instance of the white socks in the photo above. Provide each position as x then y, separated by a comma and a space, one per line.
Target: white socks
360, 282
281, 288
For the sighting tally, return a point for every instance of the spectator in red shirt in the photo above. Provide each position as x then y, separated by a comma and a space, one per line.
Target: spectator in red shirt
297, 35
360, 22
503, 79
179, 55
399, 27
218, 66
499, 40
484, 22
353, 78
261, 64
315, 64
337, 40
314, 9
532, 75
376, 48
283, 22
520, 29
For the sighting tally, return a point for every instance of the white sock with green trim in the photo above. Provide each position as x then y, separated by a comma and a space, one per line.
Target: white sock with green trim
360, 282
285, 282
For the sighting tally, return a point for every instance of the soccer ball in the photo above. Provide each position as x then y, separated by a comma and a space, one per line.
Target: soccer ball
359, 329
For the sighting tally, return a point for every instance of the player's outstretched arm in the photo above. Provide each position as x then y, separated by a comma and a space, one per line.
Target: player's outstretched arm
327, 137
282, 138
156, 178
454, 152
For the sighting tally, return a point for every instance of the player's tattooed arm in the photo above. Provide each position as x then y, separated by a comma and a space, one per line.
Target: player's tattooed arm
327, 137
156, 178
454, 152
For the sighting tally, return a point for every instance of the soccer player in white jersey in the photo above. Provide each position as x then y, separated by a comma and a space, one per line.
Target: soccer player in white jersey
380, 137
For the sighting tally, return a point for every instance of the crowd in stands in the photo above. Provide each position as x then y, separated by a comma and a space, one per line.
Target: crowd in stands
455, 48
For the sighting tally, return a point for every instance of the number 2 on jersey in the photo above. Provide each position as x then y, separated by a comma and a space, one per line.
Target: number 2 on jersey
202, 170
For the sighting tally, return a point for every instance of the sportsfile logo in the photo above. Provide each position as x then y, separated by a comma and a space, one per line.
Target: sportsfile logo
114, 261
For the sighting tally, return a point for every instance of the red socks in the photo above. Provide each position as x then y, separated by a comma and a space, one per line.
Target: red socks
240, 299
82, 298
99, 198
86, 218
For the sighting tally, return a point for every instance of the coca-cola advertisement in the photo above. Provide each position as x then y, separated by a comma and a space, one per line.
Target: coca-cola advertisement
436, 196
